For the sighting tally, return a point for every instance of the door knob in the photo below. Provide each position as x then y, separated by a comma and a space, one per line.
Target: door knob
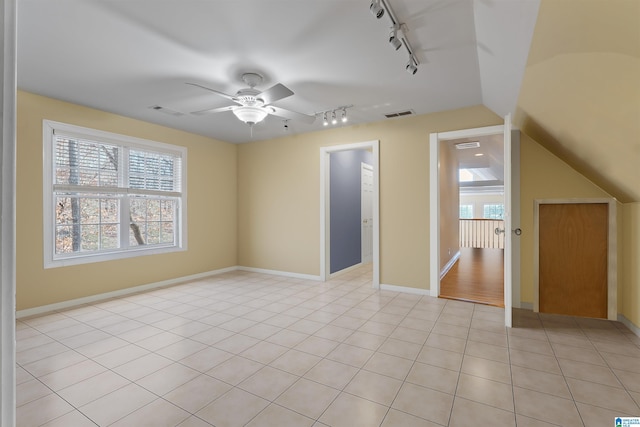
498, 230
517, 231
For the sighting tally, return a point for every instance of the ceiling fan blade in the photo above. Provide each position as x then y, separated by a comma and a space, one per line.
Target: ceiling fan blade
213, 110
275, 93
213, 90
292, 115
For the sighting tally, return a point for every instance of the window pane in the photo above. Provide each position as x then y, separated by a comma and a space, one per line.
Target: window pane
64, 239
493, 211
153, 233
109, 211
90, 235
168, 235
109, 236
80, 162
137, 233
466, 211
153, 171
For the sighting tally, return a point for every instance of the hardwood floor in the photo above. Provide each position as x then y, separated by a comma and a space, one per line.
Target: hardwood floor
477, 276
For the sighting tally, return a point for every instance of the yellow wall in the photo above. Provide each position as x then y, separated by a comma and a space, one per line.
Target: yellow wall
279, 195
449, 203
580, 95
544, 176
629, 288
212, 204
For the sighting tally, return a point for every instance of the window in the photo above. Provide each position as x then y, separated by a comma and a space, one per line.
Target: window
493, 211
109, 196
466, 211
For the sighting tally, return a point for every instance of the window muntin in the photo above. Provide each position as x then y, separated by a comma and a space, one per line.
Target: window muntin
110, 196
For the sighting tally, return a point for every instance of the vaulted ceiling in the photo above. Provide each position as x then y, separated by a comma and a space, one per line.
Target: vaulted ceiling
128, 56
568, 70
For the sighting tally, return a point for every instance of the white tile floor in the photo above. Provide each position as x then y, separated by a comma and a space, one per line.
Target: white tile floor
247, 349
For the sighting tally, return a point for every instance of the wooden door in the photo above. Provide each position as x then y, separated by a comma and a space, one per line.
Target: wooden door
573, 242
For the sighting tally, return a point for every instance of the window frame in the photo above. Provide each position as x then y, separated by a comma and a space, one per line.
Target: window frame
51, 259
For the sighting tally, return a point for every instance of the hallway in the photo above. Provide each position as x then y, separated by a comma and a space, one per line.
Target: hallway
478, 277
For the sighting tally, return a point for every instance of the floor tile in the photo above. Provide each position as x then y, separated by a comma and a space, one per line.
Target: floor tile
168, 378
295, 362
235, 370
117, 404
482, 415
233, 409
92, 388
492, 393
434, 377
332, 374
601, 395
375, 387
556, 410
197, 393
588, 372
277, 416
395, 418
543, 382
157, 413
268, 383
74, 418
308, 398
486, 368
350, 355
424, 402
391, 366
496, 353
42, 410
31, 390
352, 411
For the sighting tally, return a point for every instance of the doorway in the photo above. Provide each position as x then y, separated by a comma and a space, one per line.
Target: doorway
511, 263
472, 217
325, 208
575, 242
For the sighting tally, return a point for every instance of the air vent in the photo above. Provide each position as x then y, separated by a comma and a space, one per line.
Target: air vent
399, 114
467, 145
166, 111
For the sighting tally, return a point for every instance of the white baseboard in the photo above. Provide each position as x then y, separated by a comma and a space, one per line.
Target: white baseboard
405, 289
632, 327
114, 294
345, 270
280, 273
449, 264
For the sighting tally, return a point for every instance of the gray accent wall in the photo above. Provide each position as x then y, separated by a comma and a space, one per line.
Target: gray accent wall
345, 217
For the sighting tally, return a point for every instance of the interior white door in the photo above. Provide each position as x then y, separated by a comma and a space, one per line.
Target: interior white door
366, 212
508, 245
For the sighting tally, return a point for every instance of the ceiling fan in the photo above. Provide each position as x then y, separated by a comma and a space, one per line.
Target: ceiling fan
252, 106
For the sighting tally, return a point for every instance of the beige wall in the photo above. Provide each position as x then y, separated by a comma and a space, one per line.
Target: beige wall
544, 176
629, 288
279, 195
212, 203
449, 203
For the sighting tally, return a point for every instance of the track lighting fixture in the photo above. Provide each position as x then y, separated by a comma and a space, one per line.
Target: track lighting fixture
411, 67
376, 9
398, 34
334, 115
285, 125
394, 41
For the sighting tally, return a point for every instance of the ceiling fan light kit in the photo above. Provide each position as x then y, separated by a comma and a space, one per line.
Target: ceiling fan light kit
397, 36
253, 106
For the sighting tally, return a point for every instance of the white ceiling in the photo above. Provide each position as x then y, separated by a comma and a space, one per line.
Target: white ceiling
127, 56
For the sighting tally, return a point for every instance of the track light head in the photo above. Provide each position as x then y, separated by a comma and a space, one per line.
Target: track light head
394, 40
334, 119
344, 115
325, 122
376, 9
411, 67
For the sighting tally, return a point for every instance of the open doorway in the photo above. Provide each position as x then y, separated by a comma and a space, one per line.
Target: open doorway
440, 261
335, 209
472, 222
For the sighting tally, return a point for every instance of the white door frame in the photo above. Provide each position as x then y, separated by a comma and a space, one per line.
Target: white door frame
325, 175
8, 215
363, 208
612, 258
512, 270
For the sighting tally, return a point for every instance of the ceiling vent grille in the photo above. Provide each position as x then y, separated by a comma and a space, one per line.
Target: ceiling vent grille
467, 145
399, 114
